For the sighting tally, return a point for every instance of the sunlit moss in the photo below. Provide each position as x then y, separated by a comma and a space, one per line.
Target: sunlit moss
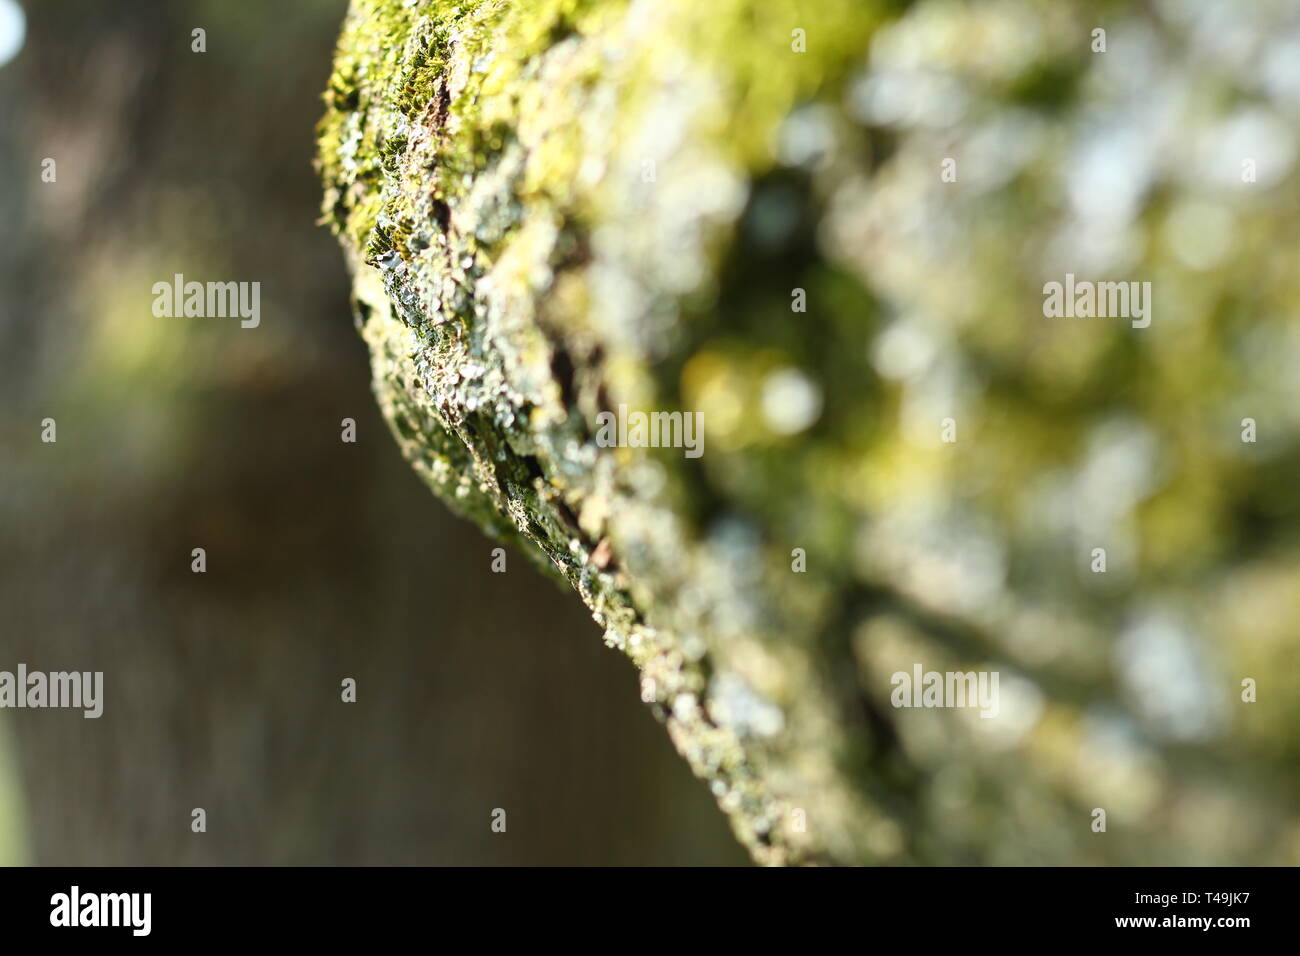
554, 208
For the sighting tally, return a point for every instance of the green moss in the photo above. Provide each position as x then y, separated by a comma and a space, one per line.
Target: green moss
517, 271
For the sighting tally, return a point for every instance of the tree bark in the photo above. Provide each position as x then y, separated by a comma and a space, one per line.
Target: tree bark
558, 211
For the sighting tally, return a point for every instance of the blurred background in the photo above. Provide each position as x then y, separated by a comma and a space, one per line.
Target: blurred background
325, 560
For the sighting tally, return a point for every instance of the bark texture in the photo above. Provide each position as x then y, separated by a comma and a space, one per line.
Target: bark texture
558, 208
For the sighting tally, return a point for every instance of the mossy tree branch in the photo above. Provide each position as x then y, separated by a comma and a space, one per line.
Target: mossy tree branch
557, 208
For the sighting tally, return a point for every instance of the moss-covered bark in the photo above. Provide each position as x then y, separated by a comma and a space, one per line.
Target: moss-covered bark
556, 208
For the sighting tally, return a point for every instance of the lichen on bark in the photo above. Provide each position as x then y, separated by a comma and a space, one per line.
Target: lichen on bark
557, 208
